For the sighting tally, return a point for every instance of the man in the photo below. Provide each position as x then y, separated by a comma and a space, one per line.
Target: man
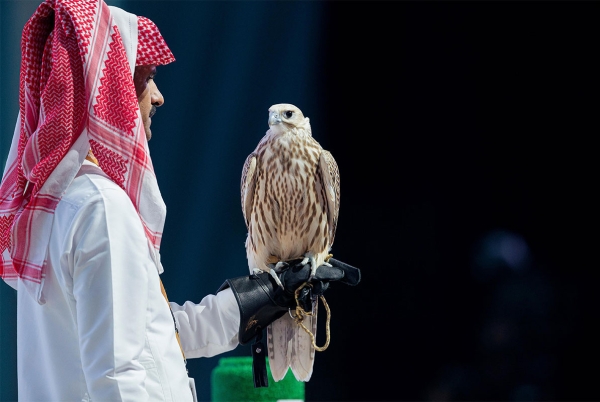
81, 220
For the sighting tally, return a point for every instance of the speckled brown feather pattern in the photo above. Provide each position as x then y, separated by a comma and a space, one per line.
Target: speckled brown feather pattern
285, 201
290, 196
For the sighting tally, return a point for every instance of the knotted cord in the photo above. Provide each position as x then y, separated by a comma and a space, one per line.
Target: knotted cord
301, 313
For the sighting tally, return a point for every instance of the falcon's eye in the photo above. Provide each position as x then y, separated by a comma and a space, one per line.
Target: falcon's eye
288, 114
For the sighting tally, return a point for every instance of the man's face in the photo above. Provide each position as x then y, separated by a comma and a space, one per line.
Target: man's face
149, 97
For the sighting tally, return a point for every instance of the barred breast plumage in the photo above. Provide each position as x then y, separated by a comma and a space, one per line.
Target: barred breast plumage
290, 200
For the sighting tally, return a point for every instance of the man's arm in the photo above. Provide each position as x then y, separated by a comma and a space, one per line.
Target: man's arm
210, 327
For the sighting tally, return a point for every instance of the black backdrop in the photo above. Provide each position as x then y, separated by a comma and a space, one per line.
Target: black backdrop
464, 136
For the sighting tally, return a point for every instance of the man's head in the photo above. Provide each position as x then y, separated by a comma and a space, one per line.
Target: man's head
152, 51
86, 105
149, 97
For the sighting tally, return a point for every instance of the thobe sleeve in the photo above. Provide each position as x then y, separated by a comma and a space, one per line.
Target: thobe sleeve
210, 327
111, 264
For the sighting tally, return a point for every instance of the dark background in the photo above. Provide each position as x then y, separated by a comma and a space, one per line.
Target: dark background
464, 134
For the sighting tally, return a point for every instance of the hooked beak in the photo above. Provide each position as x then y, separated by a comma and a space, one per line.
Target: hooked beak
274, 118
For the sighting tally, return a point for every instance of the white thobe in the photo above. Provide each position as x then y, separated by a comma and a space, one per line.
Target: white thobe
106, 332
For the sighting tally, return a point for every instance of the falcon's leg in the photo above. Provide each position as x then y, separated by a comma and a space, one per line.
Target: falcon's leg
280, 264
274, 271
313, 265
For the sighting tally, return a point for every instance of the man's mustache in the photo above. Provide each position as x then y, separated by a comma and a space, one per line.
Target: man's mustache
152, 111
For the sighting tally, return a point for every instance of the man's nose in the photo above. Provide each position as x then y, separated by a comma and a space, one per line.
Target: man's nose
157, 98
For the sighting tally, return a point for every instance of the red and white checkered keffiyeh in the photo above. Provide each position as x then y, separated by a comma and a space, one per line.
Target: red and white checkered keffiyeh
76, 92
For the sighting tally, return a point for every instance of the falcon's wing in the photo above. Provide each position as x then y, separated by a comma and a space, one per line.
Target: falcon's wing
330, 176
247, 186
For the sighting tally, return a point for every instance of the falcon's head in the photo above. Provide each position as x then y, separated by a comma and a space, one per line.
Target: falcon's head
285, 116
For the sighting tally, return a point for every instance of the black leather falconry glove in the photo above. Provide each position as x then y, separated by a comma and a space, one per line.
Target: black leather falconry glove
261, 300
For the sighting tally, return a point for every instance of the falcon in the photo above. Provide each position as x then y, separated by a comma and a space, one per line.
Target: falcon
290, 193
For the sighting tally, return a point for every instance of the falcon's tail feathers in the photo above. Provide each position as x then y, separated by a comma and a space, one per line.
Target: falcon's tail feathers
279, 345
302, 358
290, 346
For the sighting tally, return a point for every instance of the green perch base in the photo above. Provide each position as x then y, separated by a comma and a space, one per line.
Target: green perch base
231, 381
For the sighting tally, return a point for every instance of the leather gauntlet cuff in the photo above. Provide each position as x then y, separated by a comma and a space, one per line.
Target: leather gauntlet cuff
260, 300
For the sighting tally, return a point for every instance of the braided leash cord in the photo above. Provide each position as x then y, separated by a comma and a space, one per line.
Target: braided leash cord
301, 313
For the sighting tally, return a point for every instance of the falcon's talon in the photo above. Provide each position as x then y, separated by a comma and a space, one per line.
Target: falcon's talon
256, 271
273, 273
304, 261
280, 264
